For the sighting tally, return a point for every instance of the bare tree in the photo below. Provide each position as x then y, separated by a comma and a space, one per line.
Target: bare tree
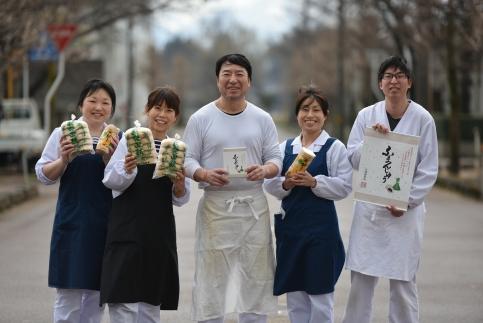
449, 30
21, 21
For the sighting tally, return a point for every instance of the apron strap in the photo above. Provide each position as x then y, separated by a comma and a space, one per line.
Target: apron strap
239, 200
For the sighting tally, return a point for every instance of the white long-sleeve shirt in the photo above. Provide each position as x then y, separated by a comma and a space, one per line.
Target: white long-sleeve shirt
116, 178
337, 185
209, 130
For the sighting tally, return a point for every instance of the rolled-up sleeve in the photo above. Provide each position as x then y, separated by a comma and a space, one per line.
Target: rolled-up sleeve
274, 186
338, 184
192, 138
271, 150
179, 201
115, 176
50, 153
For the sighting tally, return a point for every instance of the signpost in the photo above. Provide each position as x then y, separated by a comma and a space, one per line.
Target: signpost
61, 35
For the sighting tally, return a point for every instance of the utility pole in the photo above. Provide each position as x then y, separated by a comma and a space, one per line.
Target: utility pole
340, 70
130, 73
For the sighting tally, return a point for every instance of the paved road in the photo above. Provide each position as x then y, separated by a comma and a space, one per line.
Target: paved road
450, 279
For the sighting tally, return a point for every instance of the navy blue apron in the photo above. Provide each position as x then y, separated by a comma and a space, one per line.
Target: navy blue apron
140, 261
310, 252
80, 225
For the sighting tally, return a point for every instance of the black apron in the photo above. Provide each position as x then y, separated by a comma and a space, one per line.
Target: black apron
140, 260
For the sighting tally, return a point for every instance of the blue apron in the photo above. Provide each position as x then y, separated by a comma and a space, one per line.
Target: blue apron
310, 252
80, 225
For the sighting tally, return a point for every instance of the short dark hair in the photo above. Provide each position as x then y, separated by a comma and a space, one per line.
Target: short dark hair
396, 62
164, 94
311, 91
238, 59
92, 86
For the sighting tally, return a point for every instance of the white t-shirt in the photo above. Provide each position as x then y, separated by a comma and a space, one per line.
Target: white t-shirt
209, 130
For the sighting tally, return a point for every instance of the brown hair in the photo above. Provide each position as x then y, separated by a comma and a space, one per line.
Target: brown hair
164, 94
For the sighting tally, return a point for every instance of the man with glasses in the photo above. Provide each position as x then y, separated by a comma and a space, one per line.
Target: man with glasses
235, 263
386, 241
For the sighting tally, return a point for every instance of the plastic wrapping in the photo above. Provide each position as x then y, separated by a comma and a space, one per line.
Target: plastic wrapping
80, 137
140, 143
301, 162
170, 158
106, 139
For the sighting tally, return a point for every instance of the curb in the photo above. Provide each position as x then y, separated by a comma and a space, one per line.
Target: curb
21, 194
464, 187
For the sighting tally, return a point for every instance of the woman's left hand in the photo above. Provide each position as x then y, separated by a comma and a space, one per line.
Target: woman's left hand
178, 183
112, 148
304, 179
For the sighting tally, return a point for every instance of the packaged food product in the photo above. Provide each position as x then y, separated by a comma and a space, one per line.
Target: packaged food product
170, 158
140, 143
301, 162
106, 139
79, 135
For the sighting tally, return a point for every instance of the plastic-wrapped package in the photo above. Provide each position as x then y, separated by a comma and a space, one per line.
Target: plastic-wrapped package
79, 135
106, 139
301, 162
170, 158
140, 143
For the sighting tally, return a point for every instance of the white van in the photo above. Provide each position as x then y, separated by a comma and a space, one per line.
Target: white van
20, 128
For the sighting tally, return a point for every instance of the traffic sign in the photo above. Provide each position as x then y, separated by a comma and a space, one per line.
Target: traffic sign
45, 49
62, 34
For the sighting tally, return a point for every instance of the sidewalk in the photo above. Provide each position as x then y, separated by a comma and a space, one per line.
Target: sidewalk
14, 189
467, 182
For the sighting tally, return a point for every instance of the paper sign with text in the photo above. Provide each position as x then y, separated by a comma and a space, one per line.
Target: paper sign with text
235, 161
386, 168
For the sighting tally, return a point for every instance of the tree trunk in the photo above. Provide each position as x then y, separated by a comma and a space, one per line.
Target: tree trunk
454, 120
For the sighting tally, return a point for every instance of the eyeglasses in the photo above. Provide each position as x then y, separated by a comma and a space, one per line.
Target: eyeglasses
398, 76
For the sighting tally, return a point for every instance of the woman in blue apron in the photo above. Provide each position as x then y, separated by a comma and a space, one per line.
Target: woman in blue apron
83, 205
310, 253
140, 267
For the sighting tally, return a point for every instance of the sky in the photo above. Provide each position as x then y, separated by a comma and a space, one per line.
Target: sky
270, 18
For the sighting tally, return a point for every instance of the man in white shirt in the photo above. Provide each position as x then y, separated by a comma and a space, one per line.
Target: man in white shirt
386, 241
234, 251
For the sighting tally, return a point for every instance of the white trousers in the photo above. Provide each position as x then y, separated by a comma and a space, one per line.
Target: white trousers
403, 300
134, 313
305, 308
242, 318
77, 306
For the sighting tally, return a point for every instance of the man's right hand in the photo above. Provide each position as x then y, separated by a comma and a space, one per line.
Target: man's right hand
379, 127
214, 177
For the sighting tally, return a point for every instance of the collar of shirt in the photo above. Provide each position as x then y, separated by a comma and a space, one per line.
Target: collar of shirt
315, 146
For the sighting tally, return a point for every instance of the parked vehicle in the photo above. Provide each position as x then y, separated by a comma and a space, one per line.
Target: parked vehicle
20, 130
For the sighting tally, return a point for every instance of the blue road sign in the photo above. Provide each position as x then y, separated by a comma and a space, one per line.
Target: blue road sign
45, 51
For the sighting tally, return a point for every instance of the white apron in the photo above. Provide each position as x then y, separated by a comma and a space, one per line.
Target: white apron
235, 261
382, 245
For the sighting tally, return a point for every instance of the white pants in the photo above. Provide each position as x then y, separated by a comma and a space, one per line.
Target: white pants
134, 313
403, 300
305, 308
242, 318
77, 306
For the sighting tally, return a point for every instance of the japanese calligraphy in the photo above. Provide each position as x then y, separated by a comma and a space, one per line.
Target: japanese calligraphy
387, 163
238, 167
